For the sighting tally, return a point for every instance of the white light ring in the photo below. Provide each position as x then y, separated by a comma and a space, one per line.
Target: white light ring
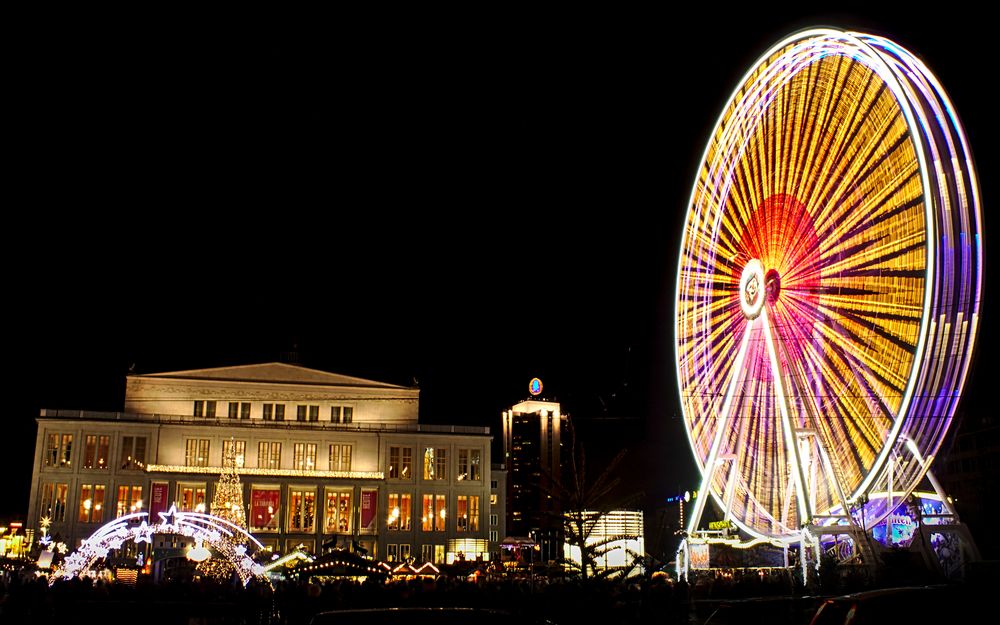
878, 62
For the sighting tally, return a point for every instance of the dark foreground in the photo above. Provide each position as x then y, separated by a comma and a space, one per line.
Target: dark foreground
747, 601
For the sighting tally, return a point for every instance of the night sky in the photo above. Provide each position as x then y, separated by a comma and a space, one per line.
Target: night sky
464, 201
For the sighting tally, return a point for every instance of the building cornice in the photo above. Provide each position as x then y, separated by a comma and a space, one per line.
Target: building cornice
256, 471
48, 414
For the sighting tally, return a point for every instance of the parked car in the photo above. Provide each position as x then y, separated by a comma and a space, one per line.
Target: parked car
914, 604
419, 616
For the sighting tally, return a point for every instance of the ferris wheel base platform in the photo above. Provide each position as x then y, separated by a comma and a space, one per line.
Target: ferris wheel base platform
945, 550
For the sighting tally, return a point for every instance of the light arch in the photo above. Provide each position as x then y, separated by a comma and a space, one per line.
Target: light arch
210, 529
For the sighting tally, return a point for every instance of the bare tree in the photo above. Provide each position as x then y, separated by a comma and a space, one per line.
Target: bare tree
582, 504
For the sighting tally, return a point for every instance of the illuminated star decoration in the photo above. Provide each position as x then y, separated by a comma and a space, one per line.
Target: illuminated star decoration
169, 516
144, 533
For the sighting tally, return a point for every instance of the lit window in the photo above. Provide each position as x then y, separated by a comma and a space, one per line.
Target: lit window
427, 514
86, 503
340, 457
191, 497
393, 463
196, 452
46, 500
129, 500
301, 510
467, 513
91, 503
269, 455
429, 463
89, 451
133, 456
337, 519
64, 450
473, 513
392, 553
475, 458
462, 513
441, 516
304, 456
435, 463
400, 508
54, 501
95, 452
468, 464
400, 462
52, 450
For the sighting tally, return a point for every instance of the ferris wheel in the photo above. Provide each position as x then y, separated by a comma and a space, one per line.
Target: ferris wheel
829, 282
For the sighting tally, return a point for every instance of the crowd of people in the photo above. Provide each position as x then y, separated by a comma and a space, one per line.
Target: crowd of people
25, 598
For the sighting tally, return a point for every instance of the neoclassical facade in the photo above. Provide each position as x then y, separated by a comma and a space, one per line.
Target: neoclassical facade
325, 460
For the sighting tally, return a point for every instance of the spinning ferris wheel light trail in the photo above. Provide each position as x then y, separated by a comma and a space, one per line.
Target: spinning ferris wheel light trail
828, 287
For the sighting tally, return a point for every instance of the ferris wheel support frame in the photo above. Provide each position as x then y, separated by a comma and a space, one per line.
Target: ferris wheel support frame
797, 444
794, 438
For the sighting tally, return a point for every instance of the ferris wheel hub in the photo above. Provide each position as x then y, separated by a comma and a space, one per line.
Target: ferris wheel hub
752, 289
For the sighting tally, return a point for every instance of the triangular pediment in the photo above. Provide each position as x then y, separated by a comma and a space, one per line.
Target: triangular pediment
272, 373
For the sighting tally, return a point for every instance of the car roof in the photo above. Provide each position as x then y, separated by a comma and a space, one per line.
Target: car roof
418, 616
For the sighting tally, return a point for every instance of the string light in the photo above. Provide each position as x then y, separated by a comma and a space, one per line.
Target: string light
356, 475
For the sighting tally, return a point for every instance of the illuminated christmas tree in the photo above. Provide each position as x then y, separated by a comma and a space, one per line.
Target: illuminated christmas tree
228, 500
227, 504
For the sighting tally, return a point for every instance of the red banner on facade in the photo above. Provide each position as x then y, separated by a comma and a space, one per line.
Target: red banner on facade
264, 508
369, 507
159, 500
